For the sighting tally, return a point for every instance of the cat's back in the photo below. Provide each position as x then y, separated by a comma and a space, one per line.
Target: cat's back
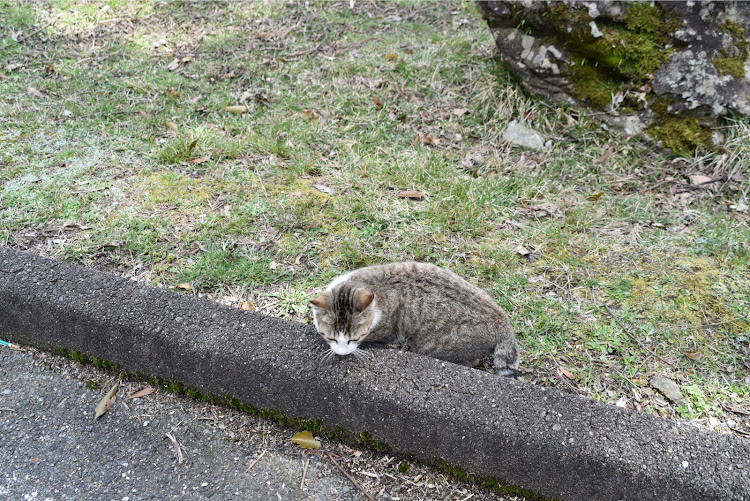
422, 283
402, 275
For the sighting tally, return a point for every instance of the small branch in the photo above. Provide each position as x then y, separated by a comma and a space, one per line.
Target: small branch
265, 193
353, 480
703, 185
30, 35
256, 461
635, 340
649, 188
177, 447
304, 474
295, 55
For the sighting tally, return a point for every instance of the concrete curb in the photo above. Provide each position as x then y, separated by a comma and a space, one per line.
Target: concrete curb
551, 443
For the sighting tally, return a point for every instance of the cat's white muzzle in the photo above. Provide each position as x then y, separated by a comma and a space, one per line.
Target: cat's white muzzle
342, 347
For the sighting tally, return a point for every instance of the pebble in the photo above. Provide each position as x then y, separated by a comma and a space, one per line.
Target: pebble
519, 135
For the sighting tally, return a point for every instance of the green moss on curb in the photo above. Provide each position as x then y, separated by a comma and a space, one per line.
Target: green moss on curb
337, 433
493, 483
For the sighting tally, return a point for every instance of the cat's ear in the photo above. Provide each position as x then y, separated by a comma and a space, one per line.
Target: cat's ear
323, 301
363, 299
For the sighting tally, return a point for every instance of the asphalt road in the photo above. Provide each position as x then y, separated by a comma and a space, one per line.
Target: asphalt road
52, 448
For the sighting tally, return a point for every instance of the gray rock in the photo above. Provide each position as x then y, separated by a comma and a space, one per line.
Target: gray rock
522, 136
666, 70
668, 388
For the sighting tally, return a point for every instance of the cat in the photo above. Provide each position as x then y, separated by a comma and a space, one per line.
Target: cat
433, 310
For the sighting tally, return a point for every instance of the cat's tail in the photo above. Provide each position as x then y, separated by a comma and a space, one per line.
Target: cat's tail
506, 356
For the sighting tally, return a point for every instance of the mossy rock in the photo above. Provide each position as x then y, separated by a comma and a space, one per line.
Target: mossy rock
624, 60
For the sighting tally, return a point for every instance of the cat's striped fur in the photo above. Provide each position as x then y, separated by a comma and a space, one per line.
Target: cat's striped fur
431, 310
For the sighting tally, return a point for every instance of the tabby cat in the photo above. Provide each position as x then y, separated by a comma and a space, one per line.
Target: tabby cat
431, 310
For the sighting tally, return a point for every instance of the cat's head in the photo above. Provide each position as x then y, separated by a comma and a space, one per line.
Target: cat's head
343, 316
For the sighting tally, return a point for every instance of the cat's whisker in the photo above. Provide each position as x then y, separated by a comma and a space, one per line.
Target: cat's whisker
360, 354
329, 356
324, 356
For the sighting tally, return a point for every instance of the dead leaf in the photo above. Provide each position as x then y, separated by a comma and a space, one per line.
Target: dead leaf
298, 259
200, 160
192, 145
323, 188
746, 363
247, 305
739, 207
107, 402
431, 140
543, 211
34, 92
568, 374
237, 110
141, 393
693, 355
606, 156
391, 56
523, 251
459, 112
595, 196
171, 126
310, 115
415, 143
411, 194
173, 93
184, 286
273, 265
305, 440
377, 102
174, 64
697, 179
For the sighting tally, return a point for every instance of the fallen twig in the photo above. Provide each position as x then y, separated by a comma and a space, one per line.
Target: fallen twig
304, 473
256, 461
665, 181
30, 35
727, 407
177, 447
348, 475
635, 340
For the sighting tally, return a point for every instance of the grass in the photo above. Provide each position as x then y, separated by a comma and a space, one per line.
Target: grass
117, 151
